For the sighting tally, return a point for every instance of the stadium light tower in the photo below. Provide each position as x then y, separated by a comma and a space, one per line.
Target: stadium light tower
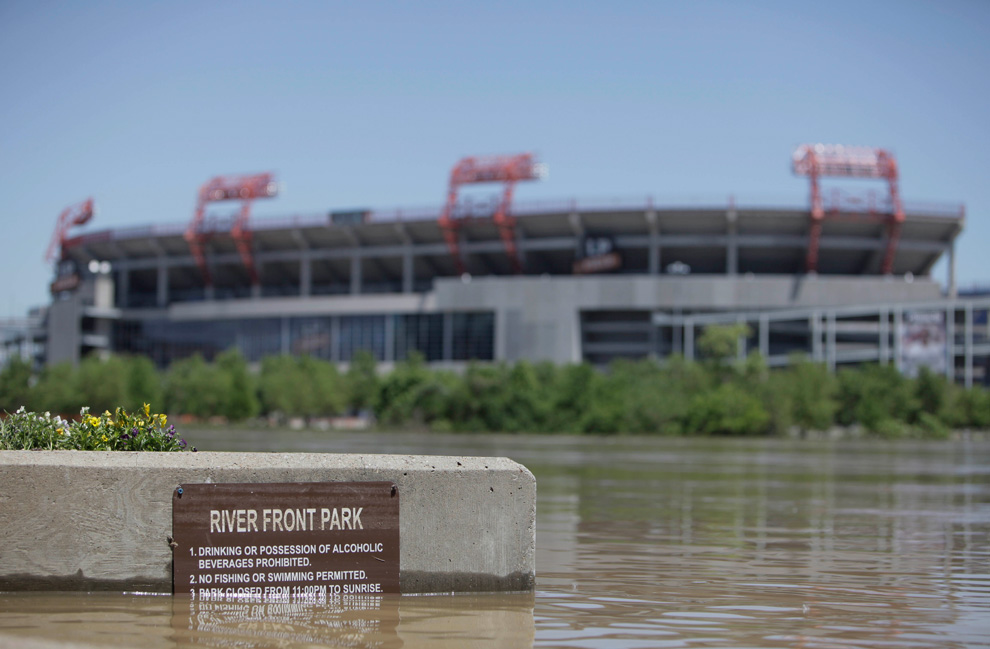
836, 160
77, 214
245, 188
508, 170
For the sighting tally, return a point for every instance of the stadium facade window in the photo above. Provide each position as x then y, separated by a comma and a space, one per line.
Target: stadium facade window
422, 332
332, 338
473, 336
362, 332
312, 336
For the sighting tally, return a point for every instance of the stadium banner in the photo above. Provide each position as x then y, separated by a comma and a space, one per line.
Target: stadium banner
922, 341
597, 254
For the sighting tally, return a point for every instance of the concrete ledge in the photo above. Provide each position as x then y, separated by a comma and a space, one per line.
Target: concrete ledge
91, 520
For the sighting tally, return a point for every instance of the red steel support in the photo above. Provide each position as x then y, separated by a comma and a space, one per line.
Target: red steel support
504, 169
77, 214
245, 188
819, 160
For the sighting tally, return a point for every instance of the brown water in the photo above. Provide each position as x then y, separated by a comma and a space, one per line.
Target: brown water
641, 542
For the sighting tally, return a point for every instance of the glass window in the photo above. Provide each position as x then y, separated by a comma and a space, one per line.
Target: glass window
362, 332
473, 336
422, 332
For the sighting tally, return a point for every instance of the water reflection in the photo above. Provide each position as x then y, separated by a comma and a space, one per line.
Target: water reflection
647, 543
767, 544
385, 622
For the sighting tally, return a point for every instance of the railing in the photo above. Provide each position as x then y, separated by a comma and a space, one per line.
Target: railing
527, 208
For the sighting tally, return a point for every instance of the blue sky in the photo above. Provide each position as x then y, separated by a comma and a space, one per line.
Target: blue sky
370, 104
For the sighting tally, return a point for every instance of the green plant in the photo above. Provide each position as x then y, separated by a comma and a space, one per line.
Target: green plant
15, 383
119, 431
726, 410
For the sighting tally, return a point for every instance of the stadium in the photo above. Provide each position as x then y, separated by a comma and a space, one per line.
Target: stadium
844, 278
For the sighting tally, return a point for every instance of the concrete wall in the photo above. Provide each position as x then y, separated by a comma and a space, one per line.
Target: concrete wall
90, 520
538, 318
63, 334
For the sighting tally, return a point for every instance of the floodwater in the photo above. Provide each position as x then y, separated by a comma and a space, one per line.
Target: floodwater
641, 542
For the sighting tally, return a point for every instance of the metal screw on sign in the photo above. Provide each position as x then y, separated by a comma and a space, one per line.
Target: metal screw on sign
178, 490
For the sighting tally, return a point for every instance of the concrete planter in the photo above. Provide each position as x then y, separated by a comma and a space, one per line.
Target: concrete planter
93, 520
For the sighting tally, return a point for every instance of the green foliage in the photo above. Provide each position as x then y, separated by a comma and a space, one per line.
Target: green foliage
727, 410
120, 431
144, 383
362, 381
875, 396
15, 384
675, 397
573, 391
194, 387
56, 390
931, 392
240, 400
720, 342
812, 391
972, 409
102, 383
300, 386
777, 396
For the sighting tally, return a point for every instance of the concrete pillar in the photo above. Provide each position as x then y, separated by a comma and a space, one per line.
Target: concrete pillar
577, 341
741, 342
950, 342
830, 351
968, 347
286, 336
816, 337
501, 340
898, 320
765, 336
335, 338
653, 254
884, 341
305, 276
732, 241
162, 284
356, 270
408, 270
952, 288
689, 339
123, 295
98, 520
389, 351
448, 336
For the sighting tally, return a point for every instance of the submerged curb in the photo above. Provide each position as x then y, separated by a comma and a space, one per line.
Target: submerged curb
96, 520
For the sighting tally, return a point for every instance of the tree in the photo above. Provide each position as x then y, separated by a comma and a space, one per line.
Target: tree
812, 390
144, 384
102, 382
57, 390
876, 396
726, 410
720, 343
15, 384
239, 399
362, 381
194, 387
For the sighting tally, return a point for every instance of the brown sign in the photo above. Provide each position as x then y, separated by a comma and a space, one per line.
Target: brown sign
598, 264
281, 541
